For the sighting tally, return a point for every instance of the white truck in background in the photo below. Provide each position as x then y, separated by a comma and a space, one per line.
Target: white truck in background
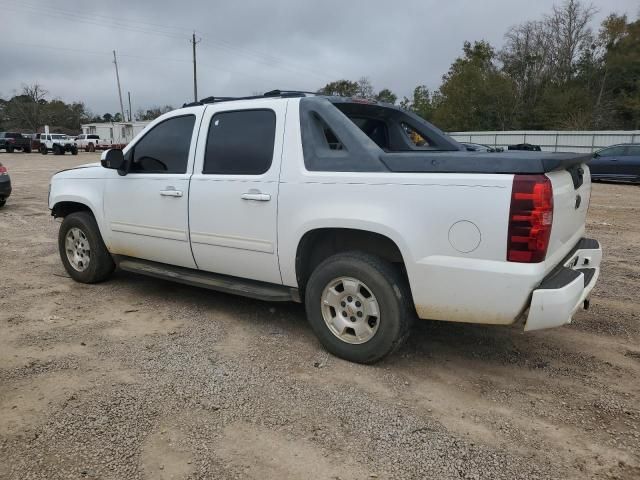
368, 214
91, 142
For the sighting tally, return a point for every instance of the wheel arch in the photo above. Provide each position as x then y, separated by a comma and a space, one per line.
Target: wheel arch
317, 244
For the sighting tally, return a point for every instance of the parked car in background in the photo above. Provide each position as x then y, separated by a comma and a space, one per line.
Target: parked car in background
478, 147
526, 147
91, 142
57, 143
5, 185
366, 213
11, 141
618, 162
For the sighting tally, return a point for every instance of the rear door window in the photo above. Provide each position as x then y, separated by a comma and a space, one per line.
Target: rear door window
240, 143
633, 150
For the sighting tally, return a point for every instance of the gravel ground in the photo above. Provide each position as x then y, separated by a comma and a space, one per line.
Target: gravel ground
141, 378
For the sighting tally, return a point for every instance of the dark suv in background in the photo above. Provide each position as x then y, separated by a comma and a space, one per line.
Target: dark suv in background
11, 141
618, 162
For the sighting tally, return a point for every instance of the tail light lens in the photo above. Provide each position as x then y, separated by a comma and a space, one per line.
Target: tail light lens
3, 170
530, 219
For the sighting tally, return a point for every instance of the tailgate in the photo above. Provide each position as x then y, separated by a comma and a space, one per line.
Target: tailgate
571, 194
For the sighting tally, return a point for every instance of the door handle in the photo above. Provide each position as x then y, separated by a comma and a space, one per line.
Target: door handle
258, 197
171, 193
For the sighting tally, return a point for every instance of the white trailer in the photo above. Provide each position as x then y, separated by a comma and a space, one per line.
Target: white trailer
117, 134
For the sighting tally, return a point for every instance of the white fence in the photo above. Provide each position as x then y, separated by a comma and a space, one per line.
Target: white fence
552, 141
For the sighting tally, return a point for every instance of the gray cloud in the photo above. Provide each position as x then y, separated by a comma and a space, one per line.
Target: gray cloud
246, 46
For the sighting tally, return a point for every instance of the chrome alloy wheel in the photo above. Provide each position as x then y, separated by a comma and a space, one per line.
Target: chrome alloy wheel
350, 310
76, 245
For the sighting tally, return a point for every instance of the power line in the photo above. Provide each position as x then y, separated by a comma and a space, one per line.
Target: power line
140, 58
114, 22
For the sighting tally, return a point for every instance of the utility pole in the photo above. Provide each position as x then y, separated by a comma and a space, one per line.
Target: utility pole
130, 112
195, 75
115, 62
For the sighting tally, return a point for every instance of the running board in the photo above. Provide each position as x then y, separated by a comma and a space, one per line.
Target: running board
212, 281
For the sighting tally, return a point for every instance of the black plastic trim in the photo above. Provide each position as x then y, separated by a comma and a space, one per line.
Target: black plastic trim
559, 278
212, 281
588, 275
514, 162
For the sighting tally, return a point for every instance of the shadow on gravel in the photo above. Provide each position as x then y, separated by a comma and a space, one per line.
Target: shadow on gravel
430, 341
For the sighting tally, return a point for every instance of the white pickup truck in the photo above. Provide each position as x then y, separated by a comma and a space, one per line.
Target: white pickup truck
368, 214
90, 142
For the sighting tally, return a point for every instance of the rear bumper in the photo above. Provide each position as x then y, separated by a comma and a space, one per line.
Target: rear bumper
562, 292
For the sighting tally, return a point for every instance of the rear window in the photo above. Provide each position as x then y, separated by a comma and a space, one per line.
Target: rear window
13, 135
633, 150
93, 137
612, 151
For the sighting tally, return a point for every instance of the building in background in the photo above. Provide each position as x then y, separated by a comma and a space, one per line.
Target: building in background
117, 133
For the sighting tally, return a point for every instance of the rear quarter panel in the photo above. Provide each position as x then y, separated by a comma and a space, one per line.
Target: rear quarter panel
418, 211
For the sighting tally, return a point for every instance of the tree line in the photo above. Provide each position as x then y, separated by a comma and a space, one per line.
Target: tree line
552, 73
30, 110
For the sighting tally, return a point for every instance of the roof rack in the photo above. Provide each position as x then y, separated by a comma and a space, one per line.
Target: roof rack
270, 94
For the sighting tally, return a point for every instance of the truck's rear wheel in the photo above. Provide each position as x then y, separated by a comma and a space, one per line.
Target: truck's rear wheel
44, 150
359, 306
82, 251
26, 149
74, 150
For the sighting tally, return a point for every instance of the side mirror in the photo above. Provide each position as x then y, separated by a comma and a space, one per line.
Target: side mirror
114, 159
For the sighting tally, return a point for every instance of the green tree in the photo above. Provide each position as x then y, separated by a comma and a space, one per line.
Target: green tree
421, 103
387, 96
342, 88
622, 60
474, 94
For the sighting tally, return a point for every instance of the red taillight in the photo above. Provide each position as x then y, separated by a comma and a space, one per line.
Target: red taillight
530, 218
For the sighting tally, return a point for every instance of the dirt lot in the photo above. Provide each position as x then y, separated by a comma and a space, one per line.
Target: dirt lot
141, 378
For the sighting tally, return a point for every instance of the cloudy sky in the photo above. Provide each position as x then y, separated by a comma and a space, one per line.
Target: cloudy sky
246, 46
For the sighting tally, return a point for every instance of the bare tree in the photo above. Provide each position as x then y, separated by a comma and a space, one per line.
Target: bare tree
35, 92
569, 32
525, 57
365, 89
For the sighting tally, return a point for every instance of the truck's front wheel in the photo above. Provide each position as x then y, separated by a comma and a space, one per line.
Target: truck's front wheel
82, 251
359, 306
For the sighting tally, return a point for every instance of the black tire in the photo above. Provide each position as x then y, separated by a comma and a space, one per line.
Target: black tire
3, 202
74, 150
26, 149
101, 264
57, 150
9, 149
391, 290
43, 149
